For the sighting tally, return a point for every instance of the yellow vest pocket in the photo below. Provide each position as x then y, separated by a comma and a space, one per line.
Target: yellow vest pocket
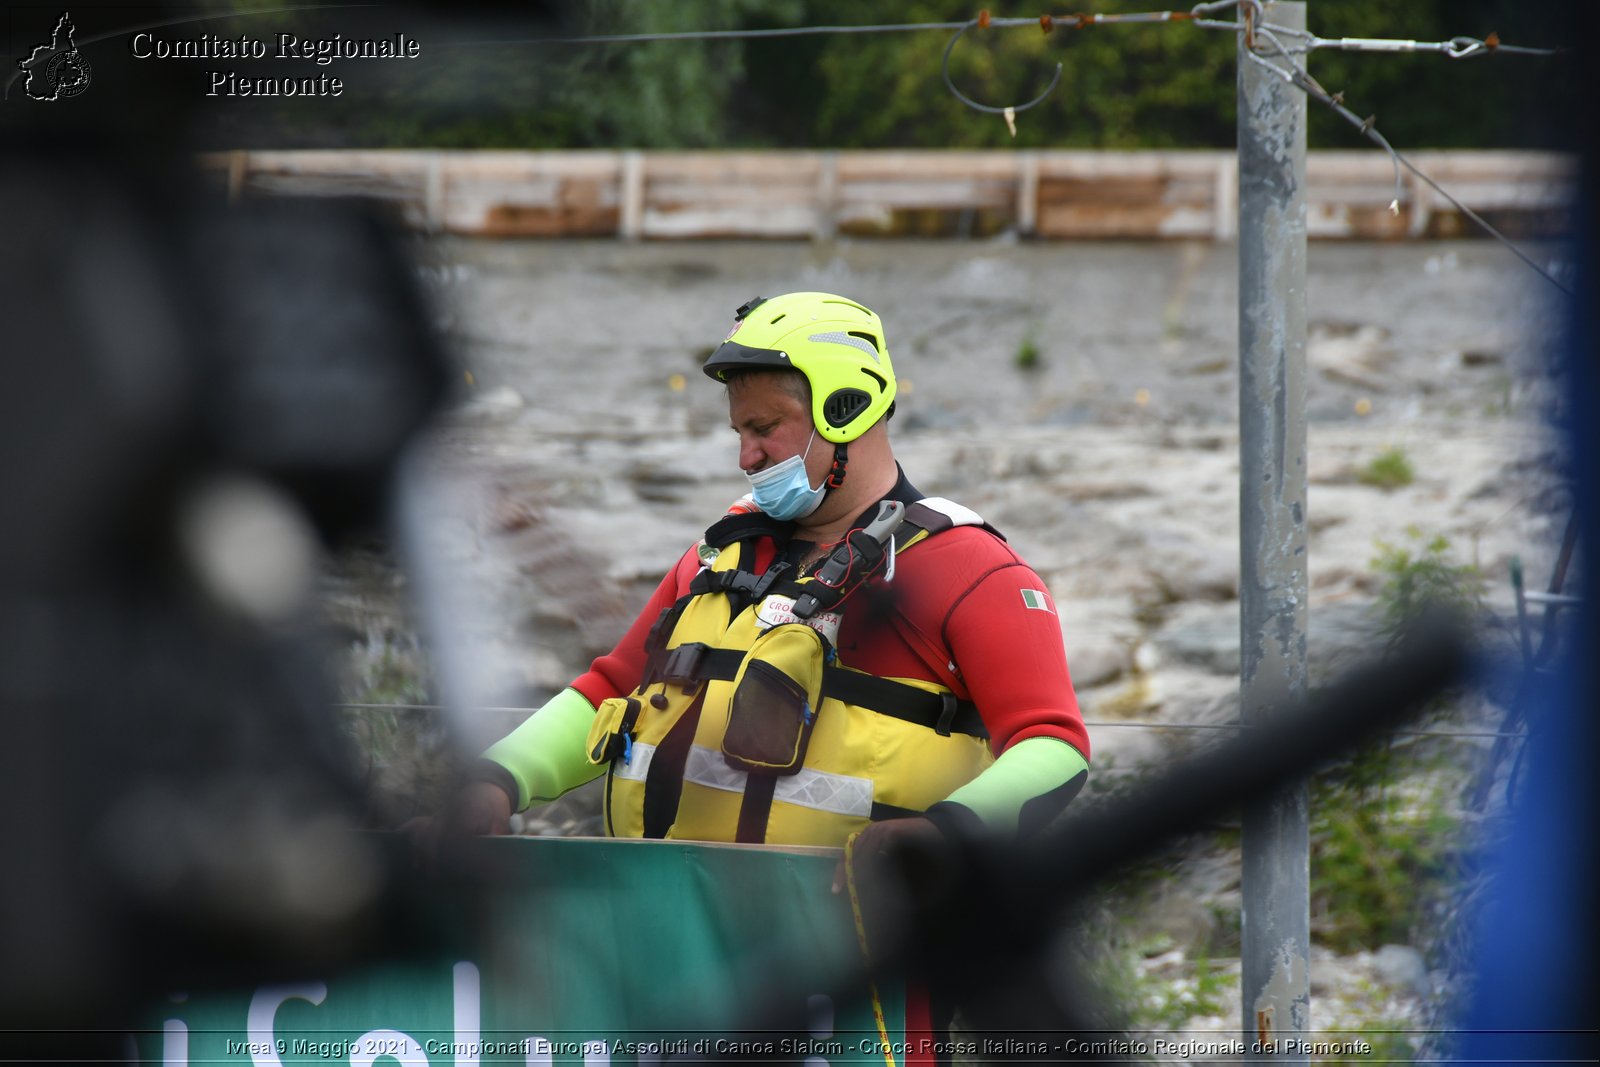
776, 695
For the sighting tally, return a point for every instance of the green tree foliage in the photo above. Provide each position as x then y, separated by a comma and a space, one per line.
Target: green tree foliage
1168, 85
655, 95
1121, 87
1164, 85
484, 83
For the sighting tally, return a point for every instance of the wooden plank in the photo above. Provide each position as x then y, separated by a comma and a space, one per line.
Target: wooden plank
521, 220
1138, 194
917, 166
1118, 166
711, 169
955, 193
865, 221
1132, 190
1104, 219
778, 221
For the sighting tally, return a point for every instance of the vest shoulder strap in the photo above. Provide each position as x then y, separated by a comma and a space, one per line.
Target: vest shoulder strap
934, 515
741, 526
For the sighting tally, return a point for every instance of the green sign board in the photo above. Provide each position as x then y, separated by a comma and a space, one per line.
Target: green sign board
600, 952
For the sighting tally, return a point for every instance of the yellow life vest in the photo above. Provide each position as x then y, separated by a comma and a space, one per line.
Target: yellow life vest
747, 728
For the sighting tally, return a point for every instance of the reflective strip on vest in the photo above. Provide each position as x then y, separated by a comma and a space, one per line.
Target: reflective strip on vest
836, 793
638, 764
959, 514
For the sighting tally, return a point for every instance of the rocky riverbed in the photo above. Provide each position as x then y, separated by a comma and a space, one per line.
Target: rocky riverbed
1082, 397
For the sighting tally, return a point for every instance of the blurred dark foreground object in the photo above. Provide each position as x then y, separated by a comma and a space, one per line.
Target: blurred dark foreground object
197, 400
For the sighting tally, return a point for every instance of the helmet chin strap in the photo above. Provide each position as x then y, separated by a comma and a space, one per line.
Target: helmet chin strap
836, 473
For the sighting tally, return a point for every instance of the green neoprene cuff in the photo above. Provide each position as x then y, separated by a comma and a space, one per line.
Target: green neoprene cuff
546, 754
1029, 784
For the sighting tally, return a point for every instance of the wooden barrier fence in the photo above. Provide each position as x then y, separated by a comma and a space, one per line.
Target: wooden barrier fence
818, 195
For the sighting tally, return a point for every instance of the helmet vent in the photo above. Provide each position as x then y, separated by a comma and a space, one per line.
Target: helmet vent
854, 340
869, 338
843, 405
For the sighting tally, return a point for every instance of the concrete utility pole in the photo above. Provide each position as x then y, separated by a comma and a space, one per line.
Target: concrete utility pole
1272, 538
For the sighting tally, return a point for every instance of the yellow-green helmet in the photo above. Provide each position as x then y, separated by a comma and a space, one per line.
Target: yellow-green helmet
836, 343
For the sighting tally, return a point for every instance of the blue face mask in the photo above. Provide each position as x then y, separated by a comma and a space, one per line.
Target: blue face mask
783, 490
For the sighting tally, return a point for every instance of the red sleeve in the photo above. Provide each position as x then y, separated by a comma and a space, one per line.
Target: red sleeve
618, 672
972, 615
1004, 636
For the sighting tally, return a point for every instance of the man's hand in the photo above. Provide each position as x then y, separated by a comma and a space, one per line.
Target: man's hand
884, 848
898, 868
479, 809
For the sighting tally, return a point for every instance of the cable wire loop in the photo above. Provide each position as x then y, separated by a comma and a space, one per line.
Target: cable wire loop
1465, 47
965, 99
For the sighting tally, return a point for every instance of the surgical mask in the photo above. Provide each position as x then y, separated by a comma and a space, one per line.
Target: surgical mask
783, 490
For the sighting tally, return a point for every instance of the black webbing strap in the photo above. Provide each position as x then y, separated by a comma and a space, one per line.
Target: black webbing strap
744, 526
884, 812
750, 586
663, 782
940, 712
720, 664
755, 809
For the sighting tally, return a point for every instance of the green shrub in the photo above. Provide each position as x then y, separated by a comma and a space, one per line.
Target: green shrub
1027, 357
1169, 1005
1421, 576
1390, 469
1384, 844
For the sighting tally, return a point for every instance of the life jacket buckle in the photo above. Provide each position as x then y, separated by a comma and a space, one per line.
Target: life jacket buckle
774, 572
947, 713
683, 663
746, 583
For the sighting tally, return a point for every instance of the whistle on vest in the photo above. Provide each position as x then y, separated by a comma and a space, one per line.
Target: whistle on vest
856, 557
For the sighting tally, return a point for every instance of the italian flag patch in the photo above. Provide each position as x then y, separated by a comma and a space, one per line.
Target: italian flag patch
1036, 599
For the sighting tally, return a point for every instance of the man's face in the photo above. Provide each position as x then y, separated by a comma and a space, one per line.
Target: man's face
773, 424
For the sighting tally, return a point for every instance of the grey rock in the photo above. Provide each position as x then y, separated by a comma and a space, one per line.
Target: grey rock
1401, 967
1097, 660
1182, 915
499, 400
1100, 633
1338, 635
1124, 748
1199, 577
1206, 635
1187, 696
1355, 355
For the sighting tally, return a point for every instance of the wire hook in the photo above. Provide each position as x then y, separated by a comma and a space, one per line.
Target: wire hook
1466, 47
965, 99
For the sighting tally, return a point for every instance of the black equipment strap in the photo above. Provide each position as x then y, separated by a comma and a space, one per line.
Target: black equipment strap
941, 712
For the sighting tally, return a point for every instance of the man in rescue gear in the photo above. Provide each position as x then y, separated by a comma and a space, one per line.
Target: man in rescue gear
838, 654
